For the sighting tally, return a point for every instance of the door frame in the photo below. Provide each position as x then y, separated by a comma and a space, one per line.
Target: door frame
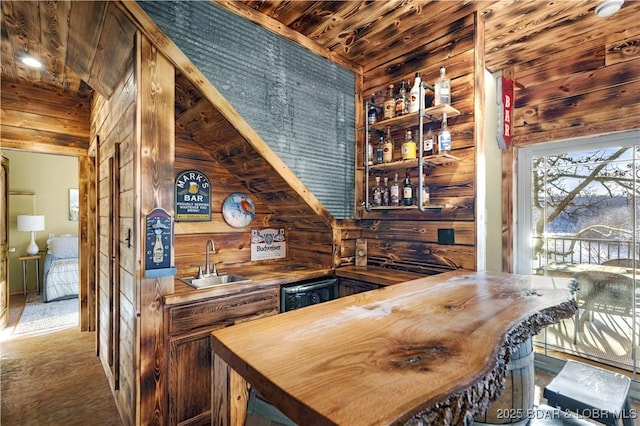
87, 231
4, 243
523, 255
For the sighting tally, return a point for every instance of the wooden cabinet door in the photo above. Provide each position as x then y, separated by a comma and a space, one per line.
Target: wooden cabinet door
190, 359
190, 379
348, 286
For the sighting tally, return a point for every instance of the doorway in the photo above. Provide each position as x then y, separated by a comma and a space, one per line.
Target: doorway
38, 184
579, 218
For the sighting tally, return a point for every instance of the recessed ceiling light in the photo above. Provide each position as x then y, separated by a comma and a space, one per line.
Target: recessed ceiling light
608, 7
31, 62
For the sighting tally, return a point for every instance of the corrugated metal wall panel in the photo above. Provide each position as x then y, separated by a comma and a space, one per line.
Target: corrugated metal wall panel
301, 104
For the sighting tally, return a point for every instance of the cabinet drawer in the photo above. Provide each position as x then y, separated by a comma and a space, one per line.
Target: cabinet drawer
223, 311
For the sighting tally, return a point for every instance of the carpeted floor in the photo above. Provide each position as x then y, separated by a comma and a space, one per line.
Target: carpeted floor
52, 378
40, 317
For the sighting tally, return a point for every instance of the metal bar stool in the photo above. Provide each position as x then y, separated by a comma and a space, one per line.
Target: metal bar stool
592, 392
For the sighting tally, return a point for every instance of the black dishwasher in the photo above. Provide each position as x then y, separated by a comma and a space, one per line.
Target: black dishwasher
301, 294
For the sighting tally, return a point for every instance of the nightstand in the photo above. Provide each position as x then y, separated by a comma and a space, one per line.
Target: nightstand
24, 260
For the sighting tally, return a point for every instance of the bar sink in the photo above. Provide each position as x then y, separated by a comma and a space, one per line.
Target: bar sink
214, 280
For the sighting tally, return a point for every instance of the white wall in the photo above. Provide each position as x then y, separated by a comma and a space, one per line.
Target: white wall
493, 181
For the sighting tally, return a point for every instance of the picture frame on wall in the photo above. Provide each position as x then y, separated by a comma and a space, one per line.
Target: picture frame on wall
74, 204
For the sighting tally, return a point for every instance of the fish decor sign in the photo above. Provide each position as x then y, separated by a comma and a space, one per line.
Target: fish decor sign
193, 197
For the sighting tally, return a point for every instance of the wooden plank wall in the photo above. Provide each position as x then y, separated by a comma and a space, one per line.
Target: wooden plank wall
39, 120
232, 245
408, 239
590, 90
112, 123
207, 142
305, 243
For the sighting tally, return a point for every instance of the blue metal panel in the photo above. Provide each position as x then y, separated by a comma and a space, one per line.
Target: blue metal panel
302, 105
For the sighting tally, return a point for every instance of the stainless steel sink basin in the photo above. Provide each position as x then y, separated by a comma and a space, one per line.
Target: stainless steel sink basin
214, 280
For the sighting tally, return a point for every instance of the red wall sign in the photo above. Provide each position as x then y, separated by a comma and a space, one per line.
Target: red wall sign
505, 112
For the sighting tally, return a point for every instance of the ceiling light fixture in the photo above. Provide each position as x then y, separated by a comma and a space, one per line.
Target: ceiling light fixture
31, 62
608, 8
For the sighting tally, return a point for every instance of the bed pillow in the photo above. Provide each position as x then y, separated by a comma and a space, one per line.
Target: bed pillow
65, 247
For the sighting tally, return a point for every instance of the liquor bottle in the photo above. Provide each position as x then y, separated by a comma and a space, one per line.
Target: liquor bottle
376, 195
387, 155
389, 103
409, 146
380, 151
425, 192
394, 192
402, 106
444, 137
428, 142
416, 93
407, 190
386, 192
372, 114
407, 101
442, 90
369, 150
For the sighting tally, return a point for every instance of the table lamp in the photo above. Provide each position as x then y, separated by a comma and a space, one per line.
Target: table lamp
31, 224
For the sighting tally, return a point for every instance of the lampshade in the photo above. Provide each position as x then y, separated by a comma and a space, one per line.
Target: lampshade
30, 223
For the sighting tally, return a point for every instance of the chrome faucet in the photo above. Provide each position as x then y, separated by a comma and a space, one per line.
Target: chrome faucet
207, 271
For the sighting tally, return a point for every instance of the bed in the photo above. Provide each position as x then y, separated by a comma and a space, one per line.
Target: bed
61, 278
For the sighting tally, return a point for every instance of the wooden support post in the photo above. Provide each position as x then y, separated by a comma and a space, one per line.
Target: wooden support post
154, 177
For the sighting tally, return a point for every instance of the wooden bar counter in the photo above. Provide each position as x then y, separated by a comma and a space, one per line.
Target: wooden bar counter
429, 351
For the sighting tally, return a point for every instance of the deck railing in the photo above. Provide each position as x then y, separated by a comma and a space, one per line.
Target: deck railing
567, 249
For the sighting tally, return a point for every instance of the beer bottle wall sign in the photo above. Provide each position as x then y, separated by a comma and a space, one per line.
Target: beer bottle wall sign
157, 244
193, 197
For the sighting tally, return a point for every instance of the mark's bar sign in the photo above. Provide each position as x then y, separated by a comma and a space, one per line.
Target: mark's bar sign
505, 112
193, 197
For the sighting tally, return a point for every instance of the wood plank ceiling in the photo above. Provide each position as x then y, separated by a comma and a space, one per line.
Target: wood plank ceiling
76, 40
67, 35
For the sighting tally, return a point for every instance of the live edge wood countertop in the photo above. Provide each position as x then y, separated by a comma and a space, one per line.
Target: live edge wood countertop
428, 351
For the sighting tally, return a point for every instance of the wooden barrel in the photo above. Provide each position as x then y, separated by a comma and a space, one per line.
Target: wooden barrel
515, 404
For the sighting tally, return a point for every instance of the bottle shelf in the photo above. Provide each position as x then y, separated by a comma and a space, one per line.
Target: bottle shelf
406, 120
432, 114
408, 164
